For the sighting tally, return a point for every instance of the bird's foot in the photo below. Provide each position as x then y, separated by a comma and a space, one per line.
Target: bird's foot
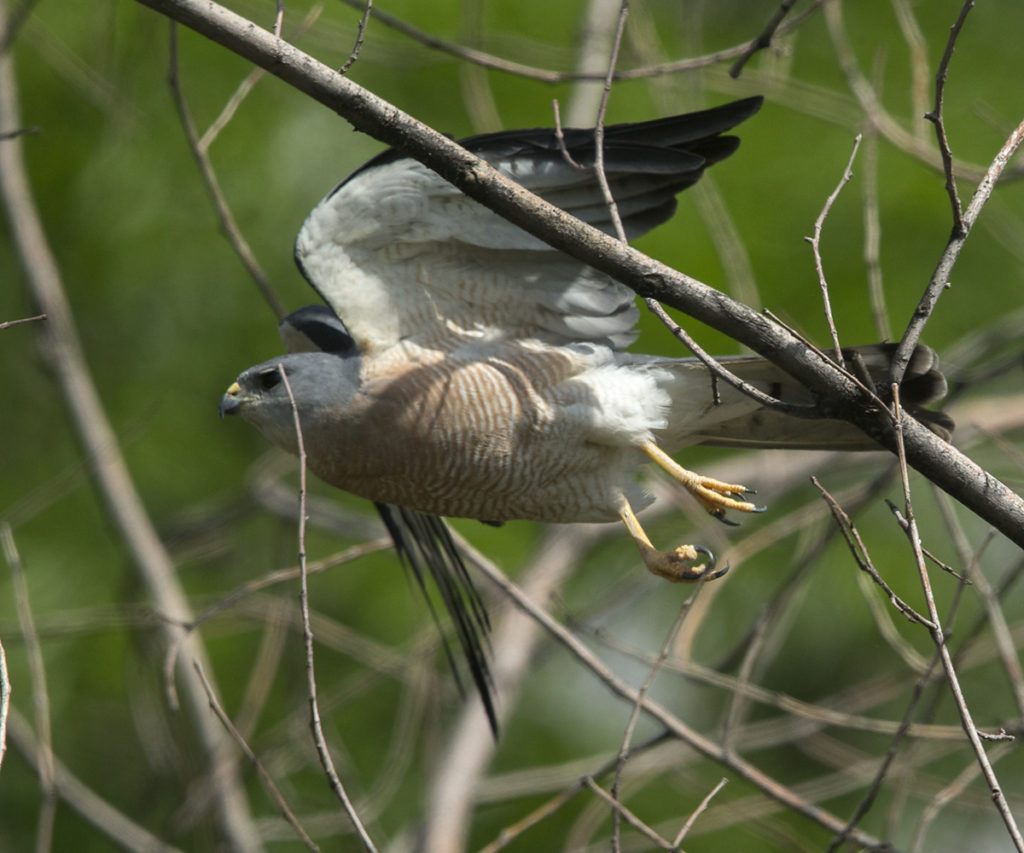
714, 495
676, 565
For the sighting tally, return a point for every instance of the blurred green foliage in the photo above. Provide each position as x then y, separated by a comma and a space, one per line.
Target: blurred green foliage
168, 317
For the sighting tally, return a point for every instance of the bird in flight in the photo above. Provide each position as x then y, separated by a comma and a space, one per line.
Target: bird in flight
462, 367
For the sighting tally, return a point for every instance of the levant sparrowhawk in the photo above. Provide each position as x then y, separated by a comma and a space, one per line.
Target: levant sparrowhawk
476, 372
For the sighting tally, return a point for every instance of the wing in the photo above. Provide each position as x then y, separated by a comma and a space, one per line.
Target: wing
401, 254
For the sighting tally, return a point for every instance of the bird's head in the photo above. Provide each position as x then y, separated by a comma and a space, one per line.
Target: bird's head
322, 387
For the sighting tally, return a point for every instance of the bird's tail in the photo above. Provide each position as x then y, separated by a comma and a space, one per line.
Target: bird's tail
718, 414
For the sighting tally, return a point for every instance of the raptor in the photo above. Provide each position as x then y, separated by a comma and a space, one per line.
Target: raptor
462, 367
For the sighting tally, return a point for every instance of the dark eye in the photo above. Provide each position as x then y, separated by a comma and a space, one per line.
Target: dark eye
268, 379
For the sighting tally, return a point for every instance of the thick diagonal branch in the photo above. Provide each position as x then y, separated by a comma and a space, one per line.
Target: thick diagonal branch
983, 494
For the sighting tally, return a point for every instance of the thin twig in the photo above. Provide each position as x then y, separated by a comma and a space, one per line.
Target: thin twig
815, 242
84, 801
863, 558
323, 751
220, 205
936, 117
279, 19
232, 598
634, 715
14, 134
5, 702
997, 622
873, 236
8, 323
360, 37
124, 505
939, 638
602, 178
720, 372
962, 224
764, 38
697, 812
560, 137
544, 75
620, 810
40, 693
265, 777
766, 784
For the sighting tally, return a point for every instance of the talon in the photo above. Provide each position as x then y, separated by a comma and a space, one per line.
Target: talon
714, 495
675, 565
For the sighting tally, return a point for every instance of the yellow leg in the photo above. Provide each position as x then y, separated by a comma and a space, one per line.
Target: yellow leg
676, 565
713, 495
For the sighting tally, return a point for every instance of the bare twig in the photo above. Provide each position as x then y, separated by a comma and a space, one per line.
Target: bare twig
873, 237
634, 716
5, 702
230, 599
14, 134
220, 205
40, 693
83, 800
265, 777
971, 558
935, 116
939, 638
764, 38
560, 136
508, 66
815, 242
631, 818
679, 729
8, 323
720, 372
279, 19
697, 812
360, 37
940, 279
323, 751
863, 559
114, 482
602, 178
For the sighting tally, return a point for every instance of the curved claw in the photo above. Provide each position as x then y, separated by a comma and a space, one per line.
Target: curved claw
675, 565
708, 570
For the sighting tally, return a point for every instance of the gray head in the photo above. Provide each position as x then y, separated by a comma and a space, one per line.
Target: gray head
322, 385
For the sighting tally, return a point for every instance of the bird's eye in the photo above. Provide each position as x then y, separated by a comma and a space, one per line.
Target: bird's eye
269, 379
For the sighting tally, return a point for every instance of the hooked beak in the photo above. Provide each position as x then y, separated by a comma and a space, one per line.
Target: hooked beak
231, 402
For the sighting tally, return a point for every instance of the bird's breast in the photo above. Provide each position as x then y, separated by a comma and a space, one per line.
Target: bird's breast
482, 437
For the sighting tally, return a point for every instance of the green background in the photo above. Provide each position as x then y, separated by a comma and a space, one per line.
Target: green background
168, 317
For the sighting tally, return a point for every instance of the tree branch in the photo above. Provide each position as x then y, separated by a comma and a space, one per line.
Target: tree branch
938, 461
